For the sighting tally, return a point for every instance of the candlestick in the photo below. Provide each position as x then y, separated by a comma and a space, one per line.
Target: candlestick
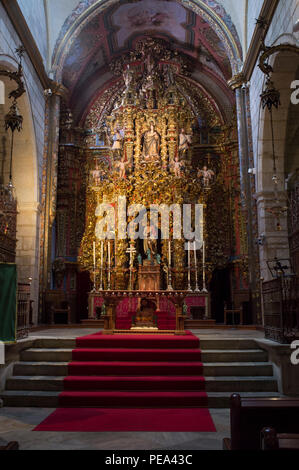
189, 269
102, 259
204, 289
94, 267
169, 267
195, 265
109, 265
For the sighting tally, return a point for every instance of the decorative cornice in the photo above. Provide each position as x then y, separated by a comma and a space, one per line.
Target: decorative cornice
236, 81
59, 90
19, 23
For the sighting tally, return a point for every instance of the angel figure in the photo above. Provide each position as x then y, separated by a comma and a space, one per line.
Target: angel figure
177, 166
206, 175
122, 168
96, 175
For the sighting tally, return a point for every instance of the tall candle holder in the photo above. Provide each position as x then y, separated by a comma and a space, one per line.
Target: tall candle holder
94, 268
189, 269
195, 265
204, 289
109, 266
169, 274
102, 259
131, 251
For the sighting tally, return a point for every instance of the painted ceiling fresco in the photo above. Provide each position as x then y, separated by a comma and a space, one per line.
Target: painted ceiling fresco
115, 31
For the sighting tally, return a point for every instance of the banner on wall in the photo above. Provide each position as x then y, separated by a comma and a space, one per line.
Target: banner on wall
8, 302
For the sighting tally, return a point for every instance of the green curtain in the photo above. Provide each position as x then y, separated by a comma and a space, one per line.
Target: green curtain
8, 302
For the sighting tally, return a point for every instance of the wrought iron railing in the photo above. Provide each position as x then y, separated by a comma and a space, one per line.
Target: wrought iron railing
281, 309
23, 310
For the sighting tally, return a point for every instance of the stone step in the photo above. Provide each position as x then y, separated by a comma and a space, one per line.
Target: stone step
48, 343
226, 369
219, 344
25, 398
65, 355
41, 368
49, 399
227, 343
238, 369
212, 384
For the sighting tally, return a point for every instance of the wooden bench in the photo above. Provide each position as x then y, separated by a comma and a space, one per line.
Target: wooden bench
249, 416
270, 440
13, 445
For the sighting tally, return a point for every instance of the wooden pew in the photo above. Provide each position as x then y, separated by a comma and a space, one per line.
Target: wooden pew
270, 440
13, 445
248, 417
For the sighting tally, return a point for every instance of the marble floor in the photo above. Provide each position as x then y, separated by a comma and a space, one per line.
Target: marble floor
18, 423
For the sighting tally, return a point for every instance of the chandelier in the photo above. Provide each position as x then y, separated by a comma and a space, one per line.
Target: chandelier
13, 119
270, 98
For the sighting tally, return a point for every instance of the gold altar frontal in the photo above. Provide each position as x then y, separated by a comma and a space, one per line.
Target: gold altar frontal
145, 326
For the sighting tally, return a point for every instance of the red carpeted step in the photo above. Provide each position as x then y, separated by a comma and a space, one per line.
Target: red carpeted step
135, 368
126, 354
90, 383
134, 399
99, 340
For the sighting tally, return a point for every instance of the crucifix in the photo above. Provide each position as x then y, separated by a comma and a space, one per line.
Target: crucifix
132, 252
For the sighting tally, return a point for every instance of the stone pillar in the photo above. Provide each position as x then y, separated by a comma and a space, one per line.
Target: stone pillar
237, 83
49, 191
27, 255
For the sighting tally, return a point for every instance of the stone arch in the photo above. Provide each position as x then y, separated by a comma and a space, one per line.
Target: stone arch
286, 67
86, 11
26, 183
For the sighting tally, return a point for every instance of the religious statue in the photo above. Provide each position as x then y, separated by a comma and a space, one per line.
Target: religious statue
128, 76
177, 166
184, 142
206, 175
150, 242
151, 143
96, 175
122, 168
118, 138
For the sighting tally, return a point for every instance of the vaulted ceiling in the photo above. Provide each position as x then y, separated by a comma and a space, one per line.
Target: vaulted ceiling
102, 35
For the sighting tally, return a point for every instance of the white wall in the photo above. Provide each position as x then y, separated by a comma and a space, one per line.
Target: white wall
281, 31
34, 14
28, 158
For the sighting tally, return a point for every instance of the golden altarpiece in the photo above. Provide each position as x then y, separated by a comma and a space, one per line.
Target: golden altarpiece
146, 145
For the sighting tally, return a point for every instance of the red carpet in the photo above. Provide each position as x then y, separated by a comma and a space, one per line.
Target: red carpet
123, 419
142, 376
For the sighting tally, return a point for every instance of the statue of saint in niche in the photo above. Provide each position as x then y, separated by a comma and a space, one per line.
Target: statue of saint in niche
150, 245
185, 141
151, 143
118, 140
